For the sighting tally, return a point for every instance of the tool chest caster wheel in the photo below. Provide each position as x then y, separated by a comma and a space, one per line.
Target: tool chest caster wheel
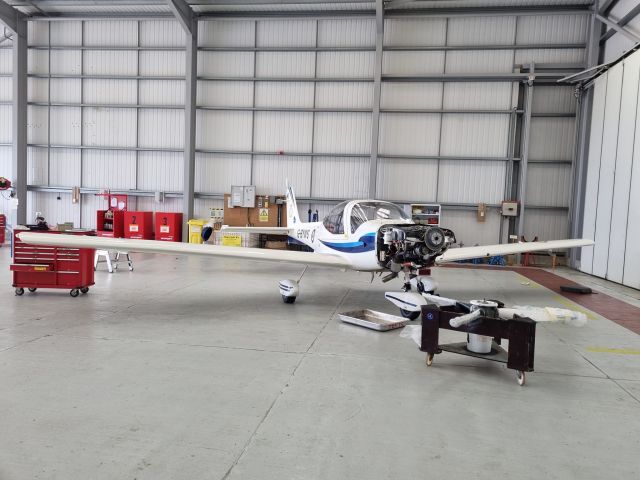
429, 359
74, 293
84, 290
521, 377
32, 290
19, 291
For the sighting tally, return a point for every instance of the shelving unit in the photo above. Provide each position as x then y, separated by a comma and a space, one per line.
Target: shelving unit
426, 213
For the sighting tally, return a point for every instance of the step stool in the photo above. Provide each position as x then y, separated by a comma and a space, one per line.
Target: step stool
112, 264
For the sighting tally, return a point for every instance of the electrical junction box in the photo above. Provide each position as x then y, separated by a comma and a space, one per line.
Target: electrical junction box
243, 196
510, 209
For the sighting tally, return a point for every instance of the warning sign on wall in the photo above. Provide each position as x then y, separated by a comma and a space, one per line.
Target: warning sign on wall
263, 215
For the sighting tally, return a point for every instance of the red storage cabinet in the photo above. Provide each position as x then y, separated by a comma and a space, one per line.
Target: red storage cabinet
110, 223
3, 227
169, 226
40, 266
138, 225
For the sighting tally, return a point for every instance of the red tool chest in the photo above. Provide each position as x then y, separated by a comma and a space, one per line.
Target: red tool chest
169, 226
3, 227
39, 266
138, 225
110, 223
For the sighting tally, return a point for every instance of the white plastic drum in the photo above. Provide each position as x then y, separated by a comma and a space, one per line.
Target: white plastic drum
481, 343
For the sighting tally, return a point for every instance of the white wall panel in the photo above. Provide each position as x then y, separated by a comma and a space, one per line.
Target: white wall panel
479, 135
342, 133
567, 55
223, 94
66, 90
6, 89
225, 64
285, 64
357, 32
202, 206
548, 185
6, 60
5, 124
37, 124
89, 205
66, 62
65, 126
109, 169
283, 94
414, 31
631, 275
468, 230
286, 33
412, 63
38, 62
477, 96
37, 167
546, 224
482, 61
108, 91
344, 95
290, 132
37, 33
66, 33
161, 128
554, 99
162, 92
148, 204
345, 64
593, 170
161, 33
55, 211
340, 177
64, 168
37, 89
160, 171
223, 130
101, 33
270, 173
216, 173
607, 171
549, 29
471, 182
162, 63
626, 142
411, 95
98, 62
411, 180
112, 127
226, 33
552, 138
481, 30
415, 134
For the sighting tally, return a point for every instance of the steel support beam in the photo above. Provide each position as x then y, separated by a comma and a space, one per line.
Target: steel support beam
617, 27
633, 13
377, 87
187, 18
524, 155
10, 16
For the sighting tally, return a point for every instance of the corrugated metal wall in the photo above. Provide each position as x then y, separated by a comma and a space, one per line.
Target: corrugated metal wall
294, 98
6, 94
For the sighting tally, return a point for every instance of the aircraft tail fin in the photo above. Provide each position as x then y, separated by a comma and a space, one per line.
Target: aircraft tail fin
293, 216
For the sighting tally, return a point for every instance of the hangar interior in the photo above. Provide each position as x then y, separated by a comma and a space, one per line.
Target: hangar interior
193, 368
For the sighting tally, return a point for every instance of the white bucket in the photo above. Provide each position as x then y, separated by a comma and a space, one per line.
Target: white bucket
479, 343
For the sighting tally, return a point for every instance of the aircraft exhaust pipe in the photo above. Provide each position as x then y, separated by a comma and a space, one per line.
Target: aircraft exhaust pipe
389, 277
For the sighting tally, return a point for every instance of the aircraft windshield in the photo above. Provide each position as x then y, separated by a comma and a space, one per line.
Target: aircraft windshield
334, 221
365, 211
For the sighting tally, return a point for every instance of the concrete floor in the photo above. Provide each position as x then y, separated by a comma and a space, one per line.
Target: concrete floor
190, 369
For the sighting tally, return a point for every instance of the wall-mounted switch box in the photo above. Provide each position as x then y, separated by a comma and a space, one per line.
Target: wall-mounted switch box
510, 209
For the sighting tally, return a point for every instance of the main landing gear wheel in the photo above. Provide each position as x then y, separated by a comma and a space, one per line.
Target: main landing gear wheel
520, 376
286, 299
409, 314
32, 289
19, 291
74, 293
84, 290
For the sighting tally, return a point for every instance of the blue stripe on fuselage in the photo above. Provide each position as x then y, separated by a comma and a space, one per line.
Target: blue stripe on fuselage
366, 243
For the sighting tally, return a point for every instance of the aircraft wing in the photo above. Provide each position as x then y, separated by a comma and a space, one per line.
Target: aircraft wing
485, 251
266, 230
174, 248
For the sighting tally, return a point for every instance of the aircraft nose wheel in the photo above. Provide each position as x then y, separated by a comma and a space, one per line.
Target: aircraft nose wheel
286, 299
408, 314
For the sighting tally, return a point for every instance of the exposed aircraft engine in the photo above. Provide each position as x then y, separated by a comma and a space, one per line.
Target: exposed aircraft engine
413, 246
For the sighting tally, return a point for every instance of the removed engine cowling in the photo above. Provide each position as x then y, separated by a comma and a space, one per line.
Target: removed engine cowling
416, 246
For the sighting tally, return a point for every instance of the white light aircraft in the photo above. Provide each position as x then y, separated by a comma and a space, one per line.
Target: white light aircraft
361, 235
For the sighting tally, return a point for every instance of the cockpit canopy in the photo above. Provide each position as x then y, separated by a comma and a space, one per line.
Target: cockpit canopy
354, 214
